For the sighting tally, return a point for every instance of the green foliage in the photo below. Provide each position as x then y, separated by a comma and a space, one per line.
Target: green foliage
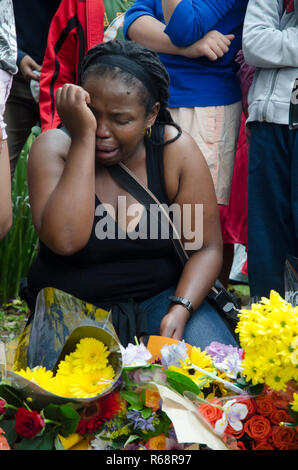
18, 248
67, 417
181, 383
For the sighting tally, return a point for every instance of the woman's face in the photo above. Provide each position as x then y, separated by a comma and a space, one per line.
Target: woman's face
120, 116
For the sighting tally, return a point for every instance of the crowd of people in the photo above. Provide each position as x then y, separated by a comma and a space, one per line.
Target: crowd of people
190, 100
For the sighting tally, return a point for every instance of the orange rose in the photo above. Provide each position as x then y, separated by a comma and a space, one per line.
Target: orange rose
258, 427
263, 445
231, 431
251, 406
265, 405
152, 400
285, 438
3, 441
279, 416
211, 413
156, 443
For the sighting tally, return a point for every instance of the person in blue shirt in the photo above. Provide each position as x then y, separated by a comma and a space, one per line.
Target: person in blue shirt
197, 40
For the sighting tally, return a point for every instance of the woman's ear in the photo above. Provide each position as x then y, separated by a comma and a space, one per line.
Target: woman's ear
153, 114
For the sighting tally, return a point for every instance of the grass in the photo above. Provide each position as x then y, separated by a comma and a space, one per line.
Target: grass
13, 318
18, 248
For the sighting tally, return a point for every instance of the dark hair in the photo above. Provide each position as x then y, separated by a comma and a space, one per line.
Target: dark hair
149, 60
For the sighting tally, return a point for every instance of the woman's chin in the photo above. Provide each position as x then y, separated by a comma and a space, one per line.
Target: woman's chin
108, 158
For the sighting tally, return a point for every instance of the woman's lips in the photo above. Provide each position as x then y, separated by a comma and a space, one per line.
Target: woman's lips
106, 152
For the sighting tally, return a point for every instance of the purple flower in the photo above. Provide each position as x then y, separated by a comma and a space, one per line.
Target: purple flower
172, 442
226, 358
174, 354
140, 423
135, 355
219, 351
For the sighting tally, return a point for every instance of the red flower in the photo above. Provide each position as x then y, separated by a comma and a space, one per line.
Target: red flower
28, 423
263, 445
258, 427
241, 445
265, 405
251, 406
232, 432
285, 438
279, 416
96, 413
2, 407
211, 413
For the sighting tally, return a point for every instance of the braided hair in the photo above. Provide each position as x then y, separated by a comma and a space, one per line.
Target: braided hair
150, 61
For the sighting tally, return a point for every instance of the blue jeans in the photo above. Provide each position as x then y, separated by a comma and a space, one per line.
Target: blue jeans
204, 326
272, 232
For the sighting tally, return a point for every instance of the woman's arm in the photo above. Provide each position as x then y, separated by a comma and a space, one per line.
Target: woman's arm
190, 20
195, 189
149, 32
5, 187
61, 176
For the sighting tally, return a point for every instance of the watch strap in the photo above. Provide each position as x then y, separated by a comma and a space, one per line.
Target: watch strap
181, 300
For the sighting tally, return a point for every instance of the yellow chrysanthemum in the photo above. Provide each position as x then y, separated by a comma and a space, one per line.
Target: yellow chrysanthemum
66, 366
90, 354
294, 403
59, 386
294, 352
38, 375
89, 384
268, 332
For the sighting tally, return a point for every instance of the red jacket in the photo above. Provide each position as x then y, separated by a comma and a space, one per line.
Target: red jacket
76, 27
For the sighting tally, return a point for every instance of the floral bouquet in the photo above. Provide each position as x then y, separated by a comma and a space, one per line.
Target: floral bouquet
167, 394
69, 359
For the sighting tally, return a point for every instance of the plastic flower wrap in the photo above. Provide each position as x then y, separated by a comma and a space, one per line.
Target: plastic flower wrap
69, 352
268, 333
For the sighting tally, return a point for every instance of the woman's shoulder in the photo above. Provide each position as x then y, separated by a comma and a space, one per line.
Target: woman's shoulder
181, 148
54, 142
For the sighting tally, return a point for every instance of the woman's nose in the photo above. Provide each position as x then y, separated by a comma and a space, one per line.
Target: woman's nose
103, 130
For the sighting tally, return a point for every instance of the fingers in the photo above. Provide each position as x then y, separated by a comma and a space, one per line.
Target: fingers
28, 67
218, 45
71, 94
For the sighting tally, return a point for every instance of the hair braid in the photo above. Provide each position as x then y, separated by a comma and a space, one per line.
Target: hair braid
145, 57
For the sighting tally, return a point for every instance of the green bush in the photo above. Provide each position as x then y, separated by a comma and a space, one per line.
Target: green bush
18, 248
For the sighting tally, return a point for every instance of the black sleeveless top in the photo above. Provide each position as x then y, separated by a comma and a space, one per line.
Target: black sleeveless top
108, 270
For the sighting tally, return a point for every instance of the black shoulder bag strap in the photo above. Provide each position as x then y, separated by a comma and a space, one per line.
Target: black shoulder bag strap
218, 296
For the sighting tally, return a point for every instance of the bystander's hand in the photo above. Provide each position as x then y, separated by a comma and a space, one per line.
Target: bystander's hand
28, 66
213, 46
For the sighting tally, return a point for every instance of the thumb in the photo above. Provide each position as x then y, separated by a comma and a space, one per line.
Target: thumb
87, 97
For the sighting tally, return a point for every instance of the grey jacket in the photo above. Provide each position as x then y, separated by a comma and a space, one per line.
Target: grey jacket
270, 43
8, 42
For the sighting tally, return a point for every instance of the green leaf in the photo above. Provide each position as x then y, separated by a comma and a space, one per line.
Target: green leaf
146, 412
131, 438
8, 427
43, 442
65, 415
293, 413
133, 398
181, 383
57, 444
10, 395
256, 389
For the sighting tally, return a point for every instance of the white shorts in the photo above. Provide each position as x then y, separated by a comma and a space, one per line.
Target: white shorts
5, 85
215, 130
